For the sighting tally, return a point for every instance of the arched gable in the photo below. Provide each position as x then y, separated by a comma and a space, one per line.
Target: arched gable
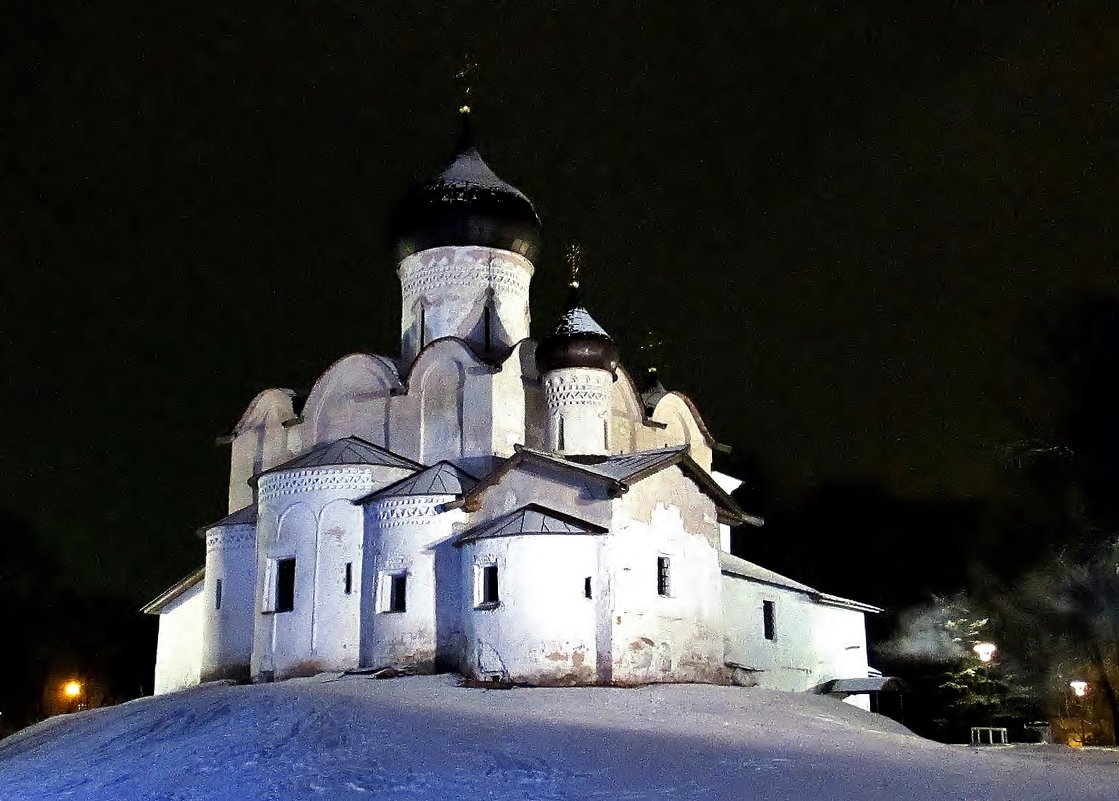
627, 414
259, 442
351, 399
682, 425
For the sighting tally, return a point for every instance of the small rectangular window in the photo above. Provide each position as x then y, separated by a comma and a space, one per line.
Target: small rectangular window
217, 594
348, 581
768, 620
664, 576
587, 587
488, 593
398, 592
285, 585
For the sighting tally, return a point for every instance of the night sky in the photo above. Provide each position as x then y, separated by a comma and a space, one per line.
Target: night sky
846, 222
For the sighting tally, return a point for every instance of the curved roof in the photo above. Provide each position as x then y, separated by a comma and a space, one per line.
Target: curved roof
466, 204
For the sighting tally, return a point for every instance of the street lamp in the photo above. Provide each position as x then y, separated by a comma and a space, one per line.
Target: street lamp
985, 651
1079, 688
73, 691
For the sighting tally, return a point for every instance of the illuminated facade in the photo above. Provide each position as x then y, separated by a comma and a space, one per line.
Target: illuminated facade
488, 504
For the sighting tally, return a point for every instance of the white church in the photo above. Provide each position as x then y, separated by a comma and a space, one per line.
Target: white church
485, 503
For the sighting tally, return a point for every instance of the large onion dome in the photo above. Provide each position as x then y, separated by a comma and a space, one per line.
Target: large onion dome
466, 204
577, 341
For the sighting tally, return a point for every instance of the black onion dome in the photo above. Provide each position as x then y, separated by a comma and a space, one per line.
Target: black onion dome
466, 204
577, 341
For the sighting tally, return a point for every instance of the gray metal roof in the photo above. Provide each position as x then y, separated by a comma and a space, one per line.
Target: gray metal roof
737, 566
530, 519
345, 451
626, 466
242, 517
442, 478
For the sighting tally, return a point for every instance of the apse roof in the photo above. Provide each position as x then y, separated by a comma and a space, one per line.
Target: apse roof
345, 451
442, 478
245, 516
530, 519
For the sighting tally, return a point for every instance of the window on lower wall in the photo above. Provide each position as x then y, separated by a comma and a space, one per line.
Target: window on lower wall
769, 620
217, 594
664, 576
587, 587
393, 592
348, 580
285, 585
486, 592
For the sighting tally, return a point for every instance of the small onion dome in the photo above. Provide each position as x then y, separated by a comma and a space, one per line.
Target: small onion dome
466, 204
577, 341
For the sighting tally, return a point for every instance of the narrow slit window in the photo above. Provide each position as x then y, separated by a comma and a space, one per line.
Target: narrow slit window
769, 620
606, 434
664, 576
559, 444
423, 326
285, 585
489, 594
587, 587
397, 593
348, 581
217, 594
487, 326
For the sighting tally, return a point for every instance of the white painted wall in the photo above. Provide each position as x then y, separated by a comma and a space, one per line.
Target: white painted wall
179, 643
813, 642
453, 286
307, 514
227, 633
543, 628
578, 401
410, 536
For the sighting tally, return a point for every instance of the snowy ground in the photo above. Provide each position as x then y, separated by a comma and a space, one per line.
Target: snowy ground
426, 738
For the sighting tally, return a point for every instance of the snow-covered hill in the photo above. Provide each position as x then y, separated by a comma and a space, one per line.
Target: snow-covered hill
427, 738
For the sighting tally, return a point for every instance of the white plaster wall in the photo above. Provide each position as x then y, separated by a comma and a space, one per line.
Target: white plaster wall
510, 404
813, 644
543, 629
578, 401
626, 414
532, 483
260, 442
307, 514
179, 643
410, 535
350, 399
680, 428
447, 411
653, 637
227, 633
454, 285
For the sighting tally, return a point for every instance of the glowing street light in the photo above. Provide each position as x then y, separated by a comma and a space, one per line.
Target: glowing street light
1079, 688
985, 651
72, 690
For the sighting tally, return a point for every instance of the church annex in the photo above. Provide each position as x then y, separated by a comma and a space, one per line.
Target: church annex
488, 504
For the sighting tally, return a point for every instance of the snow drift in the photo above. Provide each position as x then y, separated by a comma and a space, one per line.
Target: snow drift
353, 737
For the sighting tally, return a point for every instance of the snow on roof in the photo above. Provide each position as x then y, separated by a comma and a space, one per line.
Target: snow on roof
469, 172
530, 519
345, 451
578, 321
442, 478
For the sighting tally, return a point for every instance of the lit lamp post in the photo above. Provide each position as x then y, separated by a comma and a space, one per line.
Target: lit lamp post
1080, 689
986, 652
72, 691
